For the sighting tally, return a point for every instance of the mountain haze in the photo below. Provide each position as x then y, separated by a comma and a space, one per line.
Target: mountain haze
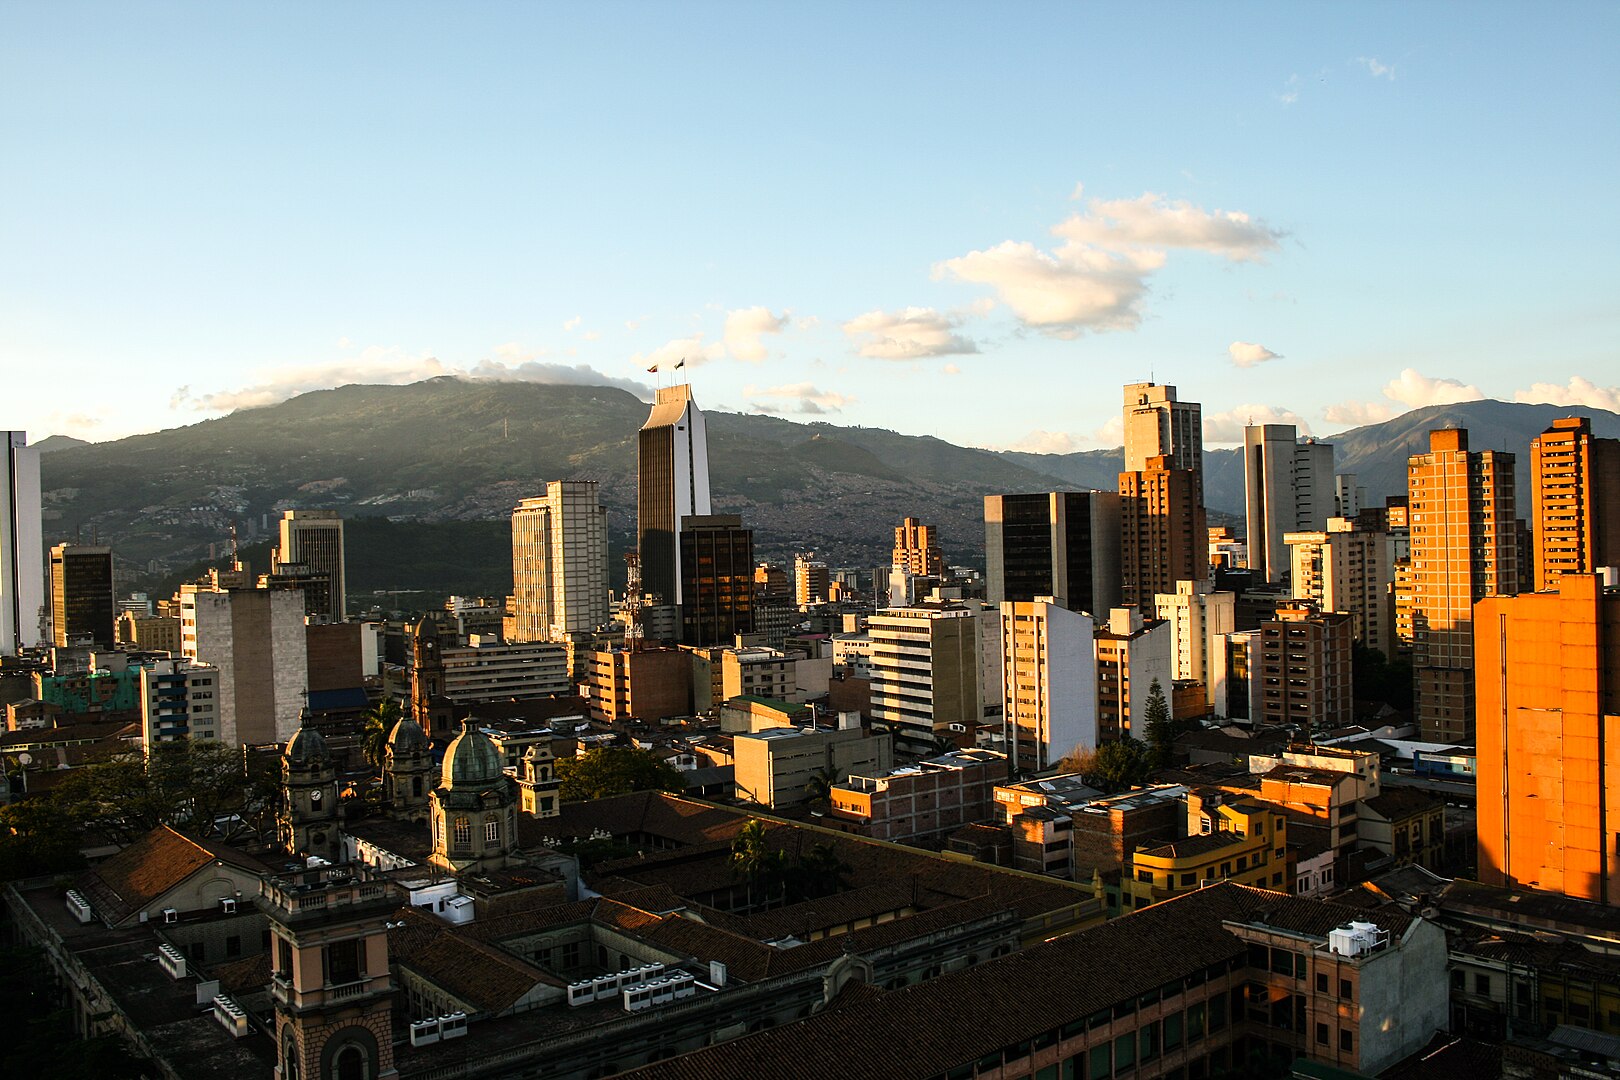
442, 460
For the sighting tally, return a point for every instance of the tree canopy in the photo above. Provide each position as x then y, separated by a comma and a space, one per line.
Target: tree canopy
599, 774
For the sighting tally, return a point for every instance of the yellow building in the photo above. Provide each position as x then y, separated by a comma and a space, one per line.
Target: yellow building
1242, 841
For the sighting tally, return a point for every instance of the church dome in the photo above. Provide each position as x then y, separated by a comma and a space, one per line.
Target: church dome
471, 759
306, 747
407, 737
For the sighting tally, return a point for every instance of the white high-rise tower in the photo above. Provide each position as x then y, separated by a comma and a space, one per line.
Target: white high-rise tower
672, 484
22, 546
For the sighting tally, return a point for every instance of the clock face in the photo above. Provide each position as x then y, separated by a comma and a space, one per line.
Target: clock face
315, 798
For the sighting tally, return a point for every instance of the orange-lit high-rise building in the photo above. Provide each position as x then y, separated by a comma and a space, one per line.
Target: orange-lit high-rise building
916, 549
1548, 686
1575, 484
1464, 547
1163, 537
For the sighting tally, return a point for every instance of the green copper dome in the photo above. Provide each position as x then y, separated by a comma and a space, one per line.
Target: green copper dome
306, 747
471, 760
407, 737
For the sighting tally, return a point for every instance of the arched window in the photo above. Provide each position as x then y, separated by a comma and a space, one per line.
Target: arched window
416, 785
492, 830
463, 832
351, 1063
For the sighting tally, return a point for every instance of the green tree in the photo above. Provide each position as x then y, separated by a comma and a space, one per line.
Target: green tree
1120, 765
761, 866
600, 774
817, 872
1161, 732
37, 839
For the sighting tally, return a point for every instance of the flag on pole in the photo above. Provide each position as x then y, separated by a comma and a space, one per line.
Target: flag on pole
652, 369
680, 363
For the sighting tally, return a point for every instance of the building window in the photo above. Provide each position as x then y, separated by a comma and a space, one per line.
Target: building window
492, 831
1482, 985
1321, 982
1322, 1034
463, 832
1344, 990
1345, 1040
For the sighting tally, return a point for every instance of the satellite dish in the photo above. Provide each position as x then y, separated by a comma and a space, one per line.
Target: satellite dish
25, 759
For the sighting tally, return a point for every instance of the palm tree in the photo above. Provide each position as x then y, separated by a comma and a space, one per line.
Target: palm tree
819, 787
820, 871
376, 725
760, 865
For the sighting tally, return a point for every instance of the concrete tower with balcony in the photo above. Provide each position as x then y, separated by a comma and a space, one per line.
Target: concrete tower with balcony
307, 823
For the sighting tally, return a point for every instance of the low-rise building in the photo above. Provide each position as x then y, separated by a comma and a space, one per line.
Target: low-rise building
775, 767
937, 795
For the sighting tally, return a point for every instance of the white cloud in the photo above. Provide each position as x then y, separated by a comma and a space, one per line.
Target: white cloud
1112, 433
1226, 428
1579, 392
746, 326
1358, 413
1376, 69
1248, 354
554, 375
573, 324
691, 349
910, 334
1290, 92
804, 397
388, 366
950, 369
1041, 441
1097, 277
1415, 390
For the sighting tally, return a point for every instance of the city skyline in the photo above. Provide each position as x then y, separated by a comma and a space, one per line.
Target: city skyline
885, 222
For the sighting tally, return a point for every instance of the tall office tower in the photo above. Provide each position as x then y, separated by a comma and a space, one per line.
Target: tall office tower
559, 563
1199, 616
1049, 683
1062, 544
82, 606
1305, 663
1548, 686
925, 672
1464, 548
1156, 425
314, 539
22, 546
811, 580
1575, 484
1348, 496
1288, 487
257, 640
1163, 536
1347, 568
672, 482
717, 579
916, 549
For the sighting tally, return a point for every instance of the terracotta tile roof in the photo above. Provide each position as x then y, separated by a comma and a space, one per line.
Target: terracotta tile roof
1394, 803
249, 974
488, 978
152, 866
1201, 844
918, 1031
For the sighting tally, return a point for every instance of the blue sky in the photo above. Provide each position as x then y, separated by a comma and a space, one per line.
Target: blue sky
974, 221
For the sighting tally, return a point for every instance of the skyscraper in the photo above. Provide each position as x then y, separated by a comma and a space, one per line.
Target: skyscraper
22, 545
1062, 544
717, 579
925, 672
1348, 568
1460, 507
1575, 497
916, 549
1288, 487
1548, 686
559, 563
1163, 538
257, 640
82, 607
314, 539
1157, 425
672, 482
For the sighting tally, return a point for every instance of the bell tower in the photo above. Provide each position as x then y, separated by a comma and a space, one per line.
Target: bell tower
538, 783
429, 707
474, 808
308, 821
408, 772
329, 977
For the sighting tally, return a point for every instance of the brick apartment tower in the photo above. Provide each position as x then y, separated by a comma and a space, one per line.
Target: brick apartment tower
1575, 483
1163, 537
1548, 739
1465, 547
916, 549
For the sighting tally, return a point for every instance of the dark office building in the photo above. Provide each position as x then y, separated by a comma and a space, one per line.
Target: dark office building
717, 579
672, 484
82, 608
1062, 544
